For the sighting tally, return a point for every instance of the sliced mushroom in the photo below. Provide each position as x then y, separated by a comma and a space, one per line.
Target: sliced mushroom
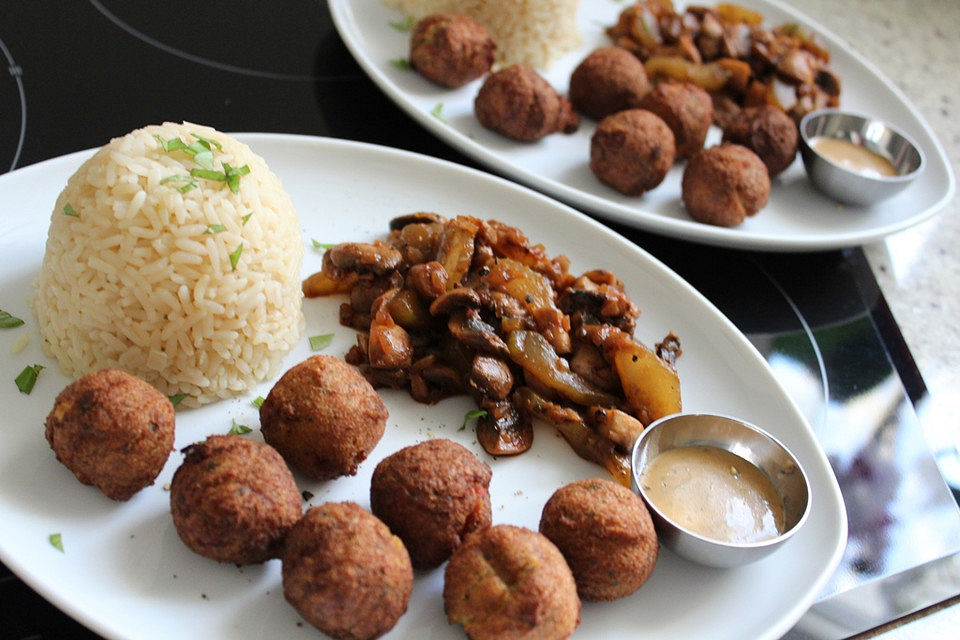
490, 378
428, 279
503, 430
469, 328
431, 380
377, 258
583, 440
420, 217
617, 426
453, 300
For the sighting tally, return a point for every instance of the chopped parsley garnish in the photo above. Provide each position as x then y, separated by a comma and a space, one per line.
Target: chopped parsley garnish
28, 378
322, 245
209, 174
401, 63
235, 257
202, 152
234, 174
56, 541
474, 413
244, 219
437, 112
258, 401
177, 398
321, 341
68, 210
215, 228
173, 144
8, 321
190, 183
237, 429
210, 142
405, 25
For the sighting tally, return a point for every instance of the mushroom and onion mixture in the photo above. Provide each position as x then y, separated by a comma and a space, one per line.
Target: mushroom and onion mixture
726, 50
467, 306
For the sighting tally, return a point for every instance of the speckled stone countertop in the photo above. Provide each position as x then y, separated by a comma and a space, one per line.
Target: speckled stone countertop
915, 44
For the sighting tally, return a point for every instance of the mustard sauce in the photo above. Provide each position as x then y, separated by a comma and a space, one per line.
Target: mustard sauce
715, 494
853, 157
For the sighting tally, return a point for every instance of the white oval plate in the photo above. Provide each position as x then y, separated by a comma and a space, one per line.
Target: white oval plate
125, 573
797, 217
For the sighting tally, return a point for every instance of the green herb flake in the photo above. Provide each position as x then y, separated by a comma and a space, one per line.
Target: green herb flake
173, 144
470, 415
28, 378
8, 321
321, 341
233, 175
190, 183
244, 219
210, 143
237, 429
235, 257
258, 401
401, 63
68, 210
437, 112
209, 174
56, 541
177, 398
322, 245
404, 25
215, 228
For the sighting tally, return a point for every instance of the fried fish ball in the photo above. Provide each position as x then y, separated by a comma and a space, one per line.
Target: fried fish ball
605, 533
323, 417
345, 573
451, 49
768, 132
632, 151
432, 495
688, 111
518, 103
113, 431
234, 500
507, 582
608, 80
724, 184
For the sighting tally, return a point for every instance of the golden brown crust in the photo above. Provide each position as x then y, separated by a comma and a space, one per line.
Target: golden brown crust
724, 184
606, 535
519, 104
113, 431
234, 500
432, 495
632, 151
687, 109
608, 80
768, 132
507, 582
345, 573
451, 49
323, 417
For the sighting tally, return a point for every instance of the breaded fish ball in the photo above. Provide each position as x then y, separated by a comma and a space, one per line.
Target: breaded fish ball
608, 80
688, 111
432, 495
345, 573
451, 49
323, 417
113, 431
510, 583
768, 132
632, 151
724, 184
518, 103
234, 500
605, 533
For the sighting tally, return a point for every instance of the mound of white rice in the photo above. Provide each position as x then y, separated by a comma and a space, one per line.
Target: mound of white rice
172, 276
530, 32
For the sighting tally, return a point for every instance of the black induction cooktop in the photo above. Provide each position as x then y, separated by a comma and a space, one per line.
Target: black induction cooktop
79, 73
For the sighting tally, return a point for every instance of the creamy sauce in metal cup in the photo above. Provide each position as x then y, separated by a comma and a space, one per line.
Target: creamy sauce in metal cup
714, 493
853, 157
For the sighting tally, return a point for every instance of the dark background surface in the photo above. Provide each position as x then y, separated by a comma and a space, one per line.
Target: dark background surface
80, 73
